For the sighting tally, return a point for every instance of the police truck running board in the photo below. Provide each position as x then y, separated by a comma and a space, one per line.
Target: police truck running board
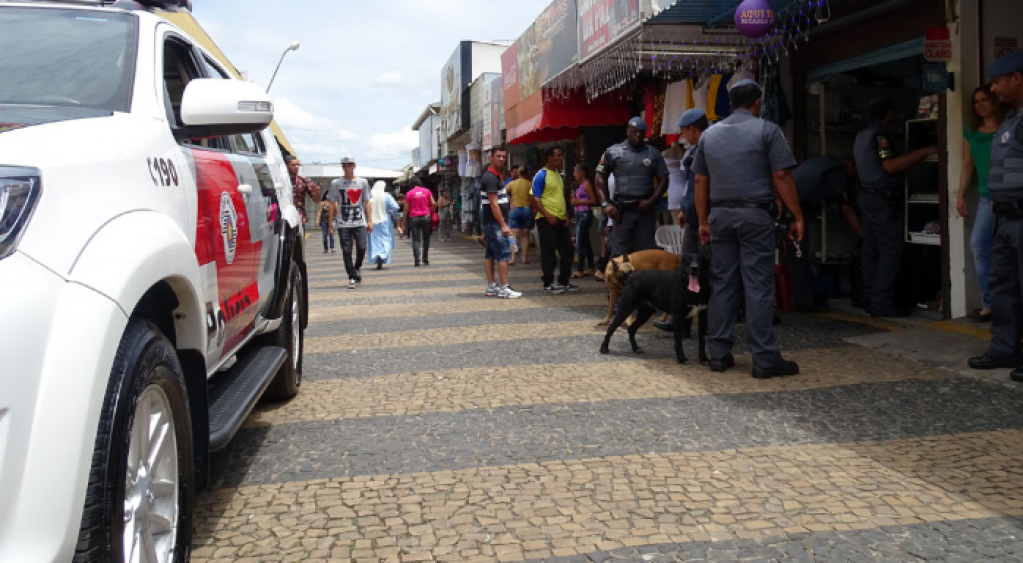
236, 392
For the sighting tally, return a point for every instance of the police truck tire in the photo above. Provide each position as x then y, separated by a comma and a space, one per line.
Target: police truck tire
140, 489
291, 337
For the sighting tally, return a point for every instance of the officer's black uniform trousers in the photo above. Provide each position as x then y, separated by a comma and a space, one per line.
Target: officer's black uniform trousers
1005, 285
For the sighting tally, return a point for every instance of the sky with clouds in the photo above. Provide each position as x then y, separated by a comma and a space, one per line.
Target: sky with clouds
366, 69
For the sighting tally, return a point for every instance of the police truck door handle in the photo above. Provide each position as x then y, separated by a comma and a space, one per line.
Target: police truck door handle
245, 189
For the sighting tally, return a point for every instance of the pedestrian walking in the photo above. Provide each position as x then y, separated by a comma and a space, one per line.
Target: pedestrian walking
522, 219
301, 187
740, 164
325, 218
880, 168
1005, 185
419, 206
495, 228
552, 223
986, 118
446, 207
381, 239
583, 200
635, 165
350, 197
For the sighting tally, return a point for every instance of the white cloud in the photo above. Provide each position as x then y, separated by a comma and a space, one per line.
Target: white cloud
290, 116
390, 79
392, 145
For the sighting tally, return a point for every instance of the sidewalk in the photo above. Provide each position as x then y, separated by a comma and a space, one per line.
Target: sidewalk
942, 344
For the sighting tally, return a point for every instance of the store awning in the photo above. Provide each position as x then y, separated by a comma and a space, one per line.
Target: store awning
557, 118
706, 11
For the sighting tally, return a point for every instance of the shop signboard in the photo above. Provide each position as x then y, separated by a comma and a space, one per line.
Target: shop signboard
510, 76
557, 39
496, 111
601, 22
486, 111
454, 81
1005, 46
938, 45
528, 81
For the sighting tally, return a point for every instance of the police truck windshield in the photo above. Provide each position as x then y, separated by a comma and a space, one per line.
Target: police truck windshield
66, 59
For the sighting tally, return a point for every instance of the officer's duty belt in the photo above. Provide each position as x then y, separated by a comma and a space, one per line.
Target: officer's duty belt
1009, 209
742, 204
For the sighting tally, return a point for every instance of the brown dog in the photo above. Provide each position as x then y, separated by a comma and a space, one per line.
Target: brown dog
618, 270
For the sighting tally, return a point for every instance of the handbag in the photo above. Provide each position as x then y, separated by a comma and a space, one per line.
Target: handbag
434, 219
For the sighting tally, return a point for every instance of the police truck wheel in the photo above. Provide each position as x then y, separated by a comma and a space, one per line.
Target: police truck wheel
291, 337
138, 504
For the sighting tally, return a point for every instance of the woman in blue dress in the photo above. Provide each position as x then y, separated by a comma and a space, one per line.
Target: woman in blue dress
381, 240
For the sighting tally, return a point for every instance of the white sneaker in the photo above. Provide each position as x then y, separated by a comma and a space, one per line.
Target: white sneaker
507, 292
492, 291
571, 287
352, 284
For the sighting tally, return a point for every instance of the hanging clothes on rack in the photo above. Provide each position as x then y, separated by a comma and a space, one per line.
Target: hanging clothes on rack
741, 75
677, 99
712, 97
775, 107
723, 105
701, 92
658, 122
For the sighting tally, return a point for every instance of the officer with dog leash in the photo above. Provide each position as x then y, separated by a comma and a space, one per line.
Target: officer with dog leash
635, 165
1005, 183
741, 163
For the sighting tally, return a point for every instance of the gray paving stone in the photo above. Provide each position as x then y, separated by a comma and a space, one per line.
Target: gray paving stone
545, 432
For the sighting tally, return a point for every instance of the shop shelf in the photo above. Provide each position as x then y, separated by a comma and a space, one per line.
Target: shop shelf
928, 198
922, 238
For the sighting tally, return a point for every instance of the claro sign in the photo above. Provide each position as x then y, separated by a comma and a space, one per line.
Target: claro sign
603, 21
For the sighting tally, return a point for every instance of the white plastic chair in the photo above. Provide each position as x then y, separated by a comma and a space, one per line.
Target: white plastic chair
669, 237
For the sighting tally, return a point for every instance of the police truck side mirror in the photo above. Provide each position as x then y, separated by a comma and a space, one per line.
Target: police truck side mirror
215, 108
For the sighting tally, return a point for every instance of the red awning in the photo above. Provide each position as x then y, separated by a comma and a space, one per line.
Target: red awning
556, 119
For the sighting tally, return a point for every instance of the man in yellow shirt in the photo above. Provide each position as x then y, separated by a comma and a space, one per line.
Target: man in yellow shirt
552, 223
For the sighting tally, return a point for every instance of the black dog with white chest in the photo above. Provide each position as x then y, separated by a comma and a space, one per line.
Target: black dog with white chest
684, 293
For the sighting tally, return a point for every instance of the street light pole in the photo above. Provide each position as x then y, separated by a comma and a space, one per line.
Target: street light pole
293, 47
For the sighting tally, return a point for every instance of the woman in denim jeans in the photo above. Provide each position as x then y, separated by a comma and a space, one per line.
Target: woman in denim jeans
583, 200
323, 217
987, 117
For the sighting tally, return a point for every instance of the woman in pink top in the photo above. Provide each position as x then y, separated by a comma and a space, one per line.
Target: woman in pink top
583, 200
419, 205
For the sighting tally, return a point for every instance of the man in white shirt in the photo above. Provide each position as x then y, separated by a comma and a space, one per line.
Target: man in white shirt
350, 197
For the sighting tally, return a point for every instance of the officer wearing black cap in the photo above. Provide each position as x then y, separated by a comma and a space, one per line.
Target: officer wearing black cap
879, 169
635, 165
741, 164
1005, 183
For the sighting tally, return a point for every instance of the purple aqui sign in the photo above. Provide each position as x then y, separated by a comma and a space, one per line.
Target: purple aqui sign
754, 18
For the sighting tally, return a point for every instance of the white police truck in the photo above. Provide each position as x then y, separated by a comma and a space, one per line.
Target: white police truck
152, 277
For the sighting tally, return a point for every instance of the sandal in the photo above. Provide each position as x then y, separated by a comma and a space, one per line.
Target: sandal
599, 276
578, 275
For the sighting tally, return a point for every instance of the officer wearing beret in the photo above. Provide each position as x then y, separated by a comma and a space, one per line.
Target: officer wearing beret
635, 165
692, 125
741, 164
1005, 183
879, 168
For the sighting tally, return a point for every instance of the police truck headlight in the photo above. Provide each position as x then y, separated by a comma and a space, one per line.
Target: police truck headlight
19, 194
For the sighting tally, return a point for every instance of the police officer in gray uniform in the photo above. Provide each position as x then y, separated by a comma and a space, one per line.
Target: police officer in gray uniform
1005, 183
741, 164
881, 188
635, 165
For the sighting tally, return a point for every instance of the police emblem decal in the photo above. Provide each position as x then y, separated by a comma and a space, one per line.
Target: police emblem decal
1005, 137
646, 162
228, 226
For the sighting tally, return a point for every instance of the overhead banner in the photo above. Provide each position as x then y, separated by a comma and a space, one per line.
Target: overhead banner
510, 76
528, 82
453, 84
557, 39
603, 21
496, 112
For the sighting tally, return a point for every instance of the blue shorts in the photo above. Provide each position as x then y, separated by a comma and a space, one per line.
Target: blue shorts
498, 245
522, 218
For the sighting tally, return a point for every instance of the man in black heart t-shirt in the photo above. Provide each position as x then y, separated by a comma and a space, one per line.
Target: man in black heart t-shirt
350, 198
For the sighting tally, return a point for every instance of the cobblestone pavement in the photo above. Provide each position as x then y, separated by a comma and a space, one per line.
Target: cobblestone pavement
437, 425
